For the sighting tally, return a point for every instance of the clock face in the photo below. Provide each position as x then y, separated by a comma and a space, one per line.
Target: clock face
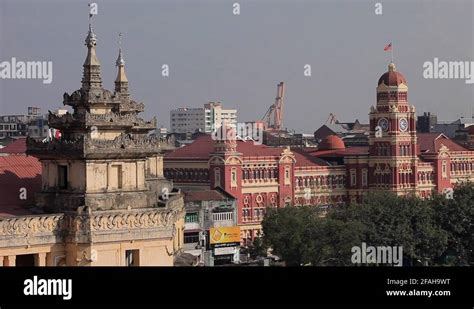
403, 124
383, 123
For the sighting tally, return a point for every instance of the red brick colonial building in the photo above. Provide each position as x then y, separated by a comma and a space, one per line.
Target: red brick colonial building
397, 160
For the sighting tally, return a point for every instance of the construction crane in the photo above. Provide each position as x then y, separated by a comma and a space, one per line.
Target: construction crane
274, 115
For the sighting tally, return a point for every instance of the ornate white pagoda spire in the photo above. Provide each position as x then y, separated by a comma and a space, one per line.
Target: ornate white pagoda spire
91, 77
121, 82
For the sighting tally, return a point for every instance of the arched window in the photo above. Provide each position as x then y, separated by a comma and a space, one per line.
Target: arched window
364, 177
233, 177
287, 175
217, 177
353, 177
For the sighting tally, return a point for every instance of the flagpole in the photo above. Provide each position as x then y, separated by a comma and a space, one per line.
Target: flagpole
392, 52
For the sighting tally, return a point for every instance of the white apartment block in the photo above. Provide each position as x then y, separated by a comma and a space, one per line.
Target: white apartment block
206, 119
17, 125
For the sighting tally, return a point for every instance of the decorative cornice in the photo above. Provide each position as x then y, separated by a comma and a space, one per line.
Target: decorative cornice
92, 96
31, 225
15, 230
86, 146
132, 106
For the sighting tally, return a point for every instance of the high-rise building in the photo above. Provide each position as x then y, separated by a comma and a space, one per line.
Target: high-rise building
205, 119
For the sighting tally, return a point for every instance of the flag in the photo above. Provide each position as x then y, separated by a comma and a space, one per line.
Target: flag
388, 47
57, 134
53, 134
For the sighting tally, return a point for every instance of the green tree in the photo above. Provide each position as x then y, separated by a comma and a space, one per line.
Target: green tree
428, 230
285, 231
258, 248
456, 216
390, 220
332, 241
301, 236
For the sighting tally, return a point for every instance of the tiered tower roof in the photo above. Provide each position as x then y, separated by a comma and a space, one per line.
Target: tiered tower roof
102, 123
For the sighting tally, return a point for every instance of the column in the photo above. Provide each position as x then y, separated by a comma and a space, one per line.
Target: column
108, 176
136, 173
9, 260
40, 259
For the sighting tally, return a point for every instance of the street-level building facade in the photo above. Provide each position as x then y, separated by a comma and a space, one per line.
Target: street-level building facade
206, 211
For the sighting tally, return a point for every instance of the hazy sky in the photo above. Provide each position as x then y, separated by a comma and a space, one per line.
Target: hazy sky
238, 60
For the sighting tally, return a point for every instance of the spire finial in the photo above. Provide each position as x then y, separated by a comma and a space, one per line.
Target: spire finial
121, 82
91, 39
91, 77
391, 67
120, 61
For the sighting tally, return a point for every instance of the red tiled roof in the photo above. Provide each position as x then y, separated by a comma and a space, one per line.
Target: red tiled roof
206, 195
349, 151
199, 149
249, 149
432, 142
17, 146
16, 172
303, 158
204, 145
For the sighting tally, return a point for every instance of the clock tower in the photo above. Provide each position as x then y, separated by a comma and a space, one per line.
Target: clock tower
393, 151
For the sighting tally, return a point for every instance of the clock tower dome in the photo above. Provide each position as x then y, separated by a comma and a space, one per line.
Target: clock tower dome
392, 141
